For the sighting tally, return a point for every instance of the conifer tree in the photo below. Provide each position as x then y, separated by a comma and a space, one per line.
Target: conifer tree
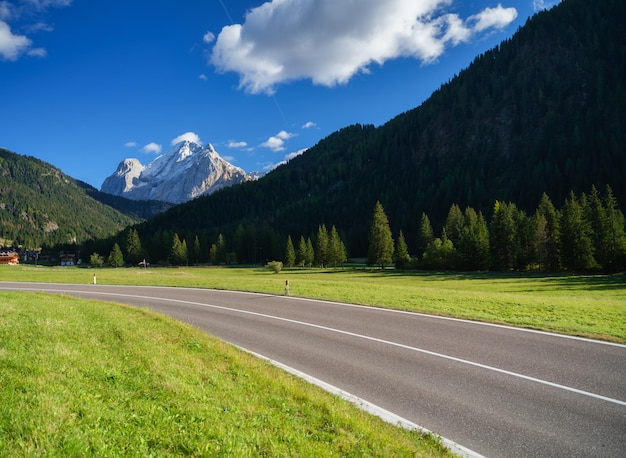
116, 258
321, 246
196, 249
616, 238
454, 224
548, 233
380, 251
301, 257
310, 252
576, 242
290, 253
425, 235
178, 252
503, 240
336, 248
402, 257
134, 252
473, 246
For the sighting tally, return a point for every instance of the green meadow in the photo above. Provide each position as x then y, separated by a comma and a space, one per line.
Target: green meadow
88, 378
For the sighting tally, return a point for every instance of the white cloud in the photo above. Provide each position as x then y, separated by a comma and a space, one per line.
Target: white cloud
539, 5
37, 52
203, 77
187, 136
6, 11
277, 142
130, 144
329, 41
236, 145
152, 148
497, 17
12, 46
309, 125
208, 37
287, 158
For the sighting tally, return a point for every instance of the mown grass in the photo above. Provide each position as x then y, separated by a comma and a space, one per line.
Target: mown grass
88, 378
589, 306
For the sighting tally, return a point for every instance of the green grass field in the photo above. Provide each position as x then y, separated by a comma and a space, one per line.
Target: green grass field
589, 306
88, 378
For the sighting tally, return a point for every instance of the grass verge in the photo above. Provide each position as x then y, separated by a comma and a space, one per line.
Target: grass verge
84, 377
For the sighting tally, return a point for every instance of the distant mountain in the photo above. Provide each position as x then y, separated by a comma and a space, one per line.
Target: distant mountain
40, 205
545, 111
187, 171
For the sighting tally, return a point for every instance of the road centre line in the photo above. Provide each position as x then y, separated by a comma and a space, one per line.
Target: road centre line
360, 336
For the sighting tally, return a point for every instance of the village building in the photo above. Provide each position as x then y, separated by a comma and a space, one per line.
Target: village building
9, 258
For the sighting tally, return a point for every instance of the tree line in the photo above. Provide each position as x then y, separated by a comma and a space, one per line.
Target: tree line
588, 233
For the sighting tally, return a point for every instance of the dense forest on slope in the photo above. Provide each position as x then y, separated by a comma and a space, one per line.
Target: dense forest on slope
543, 112
40, 205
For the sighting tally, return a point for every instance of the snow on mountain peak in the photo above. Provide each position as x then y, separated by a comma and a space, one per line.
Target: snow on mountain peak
185, 172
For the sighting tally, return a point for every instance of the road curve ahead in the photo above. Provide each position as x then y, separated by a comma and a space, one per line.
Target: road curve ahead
496, 390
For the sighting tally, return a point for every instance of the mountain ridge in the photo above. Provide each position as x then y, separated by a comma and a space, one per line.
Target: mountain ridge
185, 172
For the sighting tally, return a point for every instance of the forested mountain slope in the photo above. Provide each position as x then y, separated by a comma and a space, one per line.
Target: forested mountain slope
543, 112
40, 205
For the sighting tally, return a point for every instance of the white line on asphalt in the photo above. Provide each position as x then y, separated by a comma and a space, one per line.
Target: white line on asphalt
360, 336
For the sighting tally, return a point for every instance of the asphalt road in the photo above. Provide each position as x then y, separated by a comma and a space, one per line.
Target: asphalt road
499, 391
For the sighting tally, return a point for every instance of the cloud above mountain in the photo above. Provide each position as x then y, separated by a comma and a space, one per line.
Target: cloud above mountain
329, 41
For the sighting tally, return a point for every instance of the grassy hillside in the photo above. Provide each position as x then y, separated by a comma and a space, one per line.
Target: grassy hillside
86, 378
40, 205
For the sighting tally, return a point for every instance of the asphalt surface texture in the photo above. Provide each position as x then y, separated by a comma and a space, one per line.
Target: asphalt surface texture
496, 390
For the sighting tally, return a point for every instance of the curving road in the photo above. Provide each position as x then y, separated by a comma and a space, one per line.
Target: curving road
496, 390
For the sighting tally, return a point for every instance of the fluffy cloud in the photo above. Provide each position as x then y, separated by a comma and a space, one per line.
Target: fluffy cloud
152, 148
130, 144
309, 124
539, 5
187, 136
208, 37
277, 142
329, 41
497, 17
12, 46
236, 145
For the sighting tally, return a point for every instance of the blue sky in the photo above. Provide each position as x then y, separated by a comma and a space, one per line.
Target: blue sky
85, 84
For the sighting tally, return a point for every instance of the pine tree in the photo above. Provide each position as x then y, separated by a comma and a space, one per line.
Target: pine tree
454, 224
134, 252
336, 248
321, 246
301, 258
548, 233
503, 240
616, 242
116, 258
402, 257
473, 246
290, 253
576, 243
310, 252
425, 235
380, 251
178, 252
